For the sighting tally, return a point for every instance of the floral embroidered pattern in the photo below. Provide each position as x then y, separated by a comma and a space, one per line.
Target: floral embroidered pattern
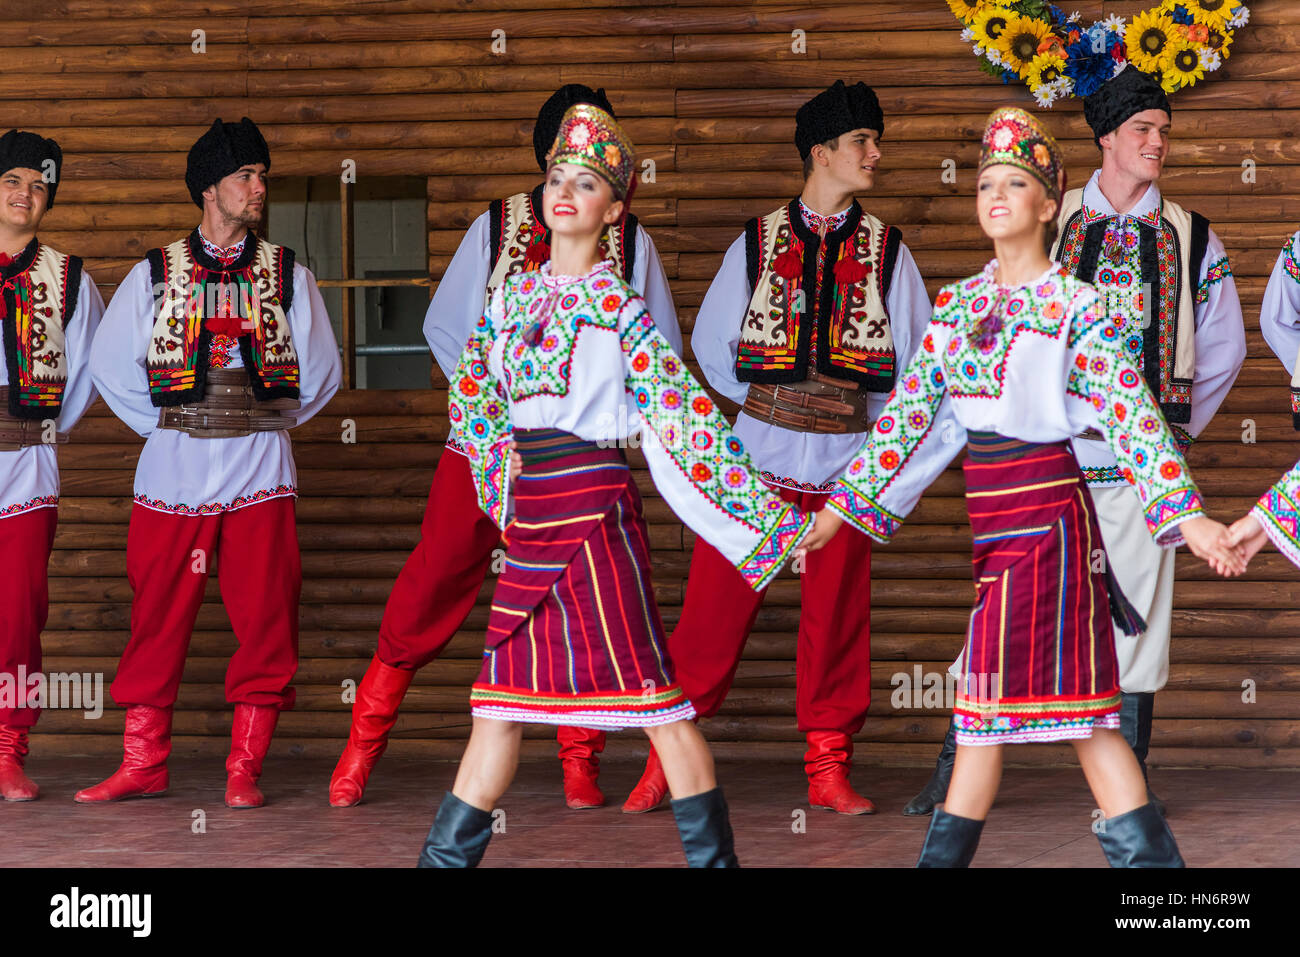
958, 364
212, 508
1218, 271
691, 430
40, 501
1277, 512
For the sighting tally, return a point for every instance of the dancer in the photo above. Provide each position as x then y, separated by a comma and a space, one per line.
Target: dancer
440, 581
565, 363
1276, 515
1017, 361
212, 348
49, 308
815, 307
1165, 279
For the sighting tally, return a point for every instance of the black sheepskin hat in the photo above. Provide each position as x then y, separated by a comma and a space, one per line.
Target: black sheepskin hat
834, 112
222, 150
1125, 95
30, 151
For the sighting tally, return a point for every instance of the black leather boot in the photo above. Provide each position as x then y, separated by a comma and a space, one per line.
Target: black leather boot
459, 835
705, 828
951, 840
936, 789
1135, 712
1140, 838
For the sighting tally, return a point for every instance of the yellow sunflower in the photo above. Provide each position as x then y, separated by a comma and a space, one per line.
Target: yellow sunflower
1184, 68
965, 12
1046, 68
1211, 13
1019, 42
1150, 39
990, 23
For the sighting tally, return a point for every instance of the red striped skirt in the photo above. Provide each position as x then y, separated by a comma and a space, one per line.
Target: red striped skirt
574, 634
1039, 661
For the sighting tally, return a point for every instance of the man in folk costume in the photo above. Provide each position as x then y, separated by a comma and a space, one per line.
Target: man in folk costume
437, 587
815, 308
1165, 279
213, 347
49, 308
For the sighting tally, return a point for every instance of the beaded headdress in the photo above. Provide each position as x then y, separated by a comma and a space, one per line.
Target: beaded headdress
1016, 138
590, 137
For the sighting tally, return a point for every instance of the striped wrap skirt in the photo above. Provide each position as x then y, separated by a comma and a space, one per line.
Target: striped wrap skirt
574, 634
1039, 661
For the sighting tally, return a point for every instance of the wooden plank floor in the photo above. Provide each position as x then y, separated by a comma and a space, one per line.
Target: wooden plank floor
1222, 818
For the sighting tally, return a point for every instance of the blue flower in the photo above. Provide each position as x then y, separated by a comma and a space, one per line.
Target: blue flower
1010, 76
1181, 15
1087, 69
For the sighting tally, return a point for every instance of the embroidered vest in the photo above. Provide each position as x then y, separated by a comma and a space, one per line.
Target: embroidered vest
521, 242
849, 317
38, 297
187, 287
1171, 255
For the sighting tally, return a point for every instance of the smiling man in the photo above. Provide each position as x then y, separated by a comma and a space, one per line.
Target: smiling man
49, 308
816, 307
1165, 279
212, 348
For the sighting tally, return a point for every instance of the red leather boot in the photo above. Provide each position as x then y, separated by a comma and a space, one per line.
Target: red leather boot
373, 716
651, 790
250, 737
146, 743
578, 750
827, 764
14, 784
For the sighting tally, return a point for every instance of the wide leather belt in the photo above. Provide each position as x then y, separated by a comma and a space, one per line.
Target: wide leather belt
819, 404
16, 433
228, 409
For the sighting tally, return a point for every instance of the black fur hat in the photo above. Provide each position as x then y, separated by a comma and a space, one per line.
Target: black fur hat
223, 149
1122, 96
30, 151
834, 112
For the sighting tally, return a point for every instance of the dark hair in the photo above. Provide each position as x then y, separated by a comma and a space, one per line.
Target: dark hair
808, 160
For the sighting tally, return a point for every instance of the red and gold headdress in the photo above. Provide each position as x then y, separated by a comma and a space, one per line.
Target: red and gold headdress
592, 138
1016, 138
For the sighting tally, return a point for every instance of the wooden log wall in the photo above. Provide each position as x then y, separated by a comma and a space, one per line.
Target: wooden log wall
708, 91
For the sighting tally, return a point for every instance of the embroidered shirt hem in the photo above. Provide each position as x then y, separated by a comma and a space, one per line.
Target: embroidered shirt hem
214, 508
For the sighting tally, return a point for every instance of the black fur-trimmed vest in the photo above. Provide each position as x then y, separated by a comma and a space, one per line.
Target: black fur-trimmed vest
849, 317
38, 299
1172, 253
520, 240
188, 284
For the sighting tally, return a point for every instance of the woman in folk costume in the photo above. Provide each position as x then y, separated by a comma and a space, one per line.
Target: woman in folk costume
1276, 515
566, 362
1017, 361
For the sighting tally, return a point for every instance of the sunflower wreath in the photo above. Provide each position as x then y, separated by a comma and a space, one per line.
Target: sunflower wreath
1177, 41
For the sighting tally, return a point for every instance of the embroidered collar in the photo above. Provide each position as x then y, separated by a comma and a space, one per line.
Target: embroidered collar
1097, 207
816, 221
990, 271
20, 263
555, 281
245, 249
226, 255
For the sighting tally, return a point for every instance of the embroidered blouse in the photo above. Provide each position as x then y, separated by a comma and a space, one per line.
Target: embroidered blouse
583, 354
1038, 362
1220, 330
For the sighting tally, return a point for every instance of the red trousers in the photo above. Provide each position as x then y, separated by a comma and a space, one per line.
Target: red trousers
833, 655
437, 586
25, 543
260, 571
